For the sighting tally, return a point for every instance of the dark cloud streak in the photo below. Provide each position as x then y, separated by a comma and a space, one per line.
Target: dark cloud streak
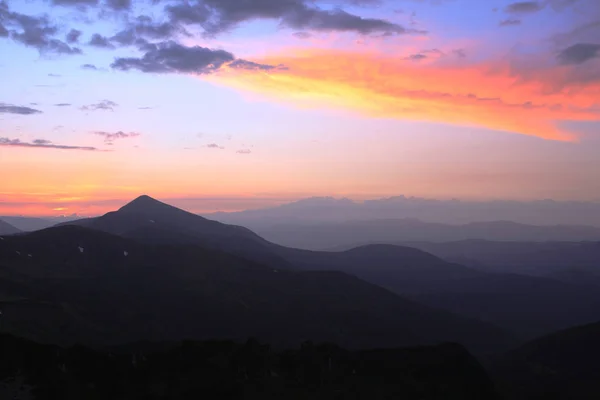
36, 32
510, 22
524, 7
579, 53
73, 36
106, 105
119, 5
171, 57
75, 3
100, 41
217, 16
110, 137
42, 144
20, 110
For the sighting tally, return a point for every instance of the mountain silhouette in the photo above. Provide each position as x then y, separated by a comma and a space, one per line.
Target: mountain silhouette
153, 222
398, 268
529, 306
228, 370
7, 229
327, 210
30, 224
516, 303
561, 365
349, 234
72, 284
530, 258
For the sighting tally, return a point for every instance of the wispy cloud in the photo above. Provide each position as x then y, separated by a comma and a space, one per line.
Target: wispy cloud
579, 53
106, 105
73, 36
100, 41
486, 94
223, 15
21, 110
510, 22
42, 144
524, 7
244, 151
38, 32
110, 137
214, 146
171, 57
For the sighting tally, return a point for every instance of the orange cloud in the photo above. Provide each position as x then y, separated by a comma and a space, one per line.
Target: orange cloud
488, 95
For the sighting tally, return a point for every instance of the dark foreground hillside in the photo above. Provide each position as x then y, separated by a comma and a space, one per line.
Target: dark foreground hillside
560, 366
70, 285
225, 370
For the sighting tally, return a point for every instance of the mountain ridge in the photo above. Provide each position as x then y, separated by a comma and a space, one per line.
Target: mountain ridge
92, 286
8, 229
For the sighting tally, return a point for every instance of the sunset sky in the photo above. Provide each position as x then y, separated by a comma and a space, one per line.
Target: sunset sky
235, 104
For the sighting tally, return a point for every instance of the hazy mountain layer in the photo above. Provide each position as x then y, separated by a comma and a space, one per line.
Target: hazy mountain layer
70, 284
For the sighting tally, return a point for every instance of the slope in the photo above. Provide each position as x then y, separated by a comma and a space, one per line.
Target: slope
538, 259
400, 269
227, 370
82, 285
562, 365
516, 303
150, 221
28, 224
7, 229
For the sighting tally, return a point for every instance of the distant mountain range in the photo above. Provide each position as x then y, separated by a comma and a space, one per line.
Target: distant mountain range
7, 229
548, 259
75, 284
328, 210
345, 235
152, 262
30, 224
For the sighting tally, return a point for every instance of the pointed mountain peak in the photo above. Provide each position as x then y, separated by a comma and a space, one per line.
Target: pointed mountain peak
145, 204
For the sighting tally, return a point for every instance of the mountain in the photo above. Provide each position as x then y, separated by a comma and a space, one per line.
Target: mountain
400, 269
526, 305
408, 272
7, 229
345, 235
538, 259
228, 370
30, 224
152, 222
71, 284
562, 365
327, 210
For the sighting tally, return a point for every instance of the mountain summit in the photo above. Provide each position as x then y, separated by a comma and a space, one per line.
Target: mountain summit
146, 204
150, 221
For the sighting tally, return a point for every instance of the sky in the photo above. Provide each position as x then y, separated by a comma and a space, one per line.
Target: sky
231, 104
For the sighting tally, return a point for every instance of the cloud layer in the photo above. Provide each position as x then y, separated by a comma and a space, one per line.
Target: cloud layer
42, 144
110, 137
491, 95
171, 57
21, 110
